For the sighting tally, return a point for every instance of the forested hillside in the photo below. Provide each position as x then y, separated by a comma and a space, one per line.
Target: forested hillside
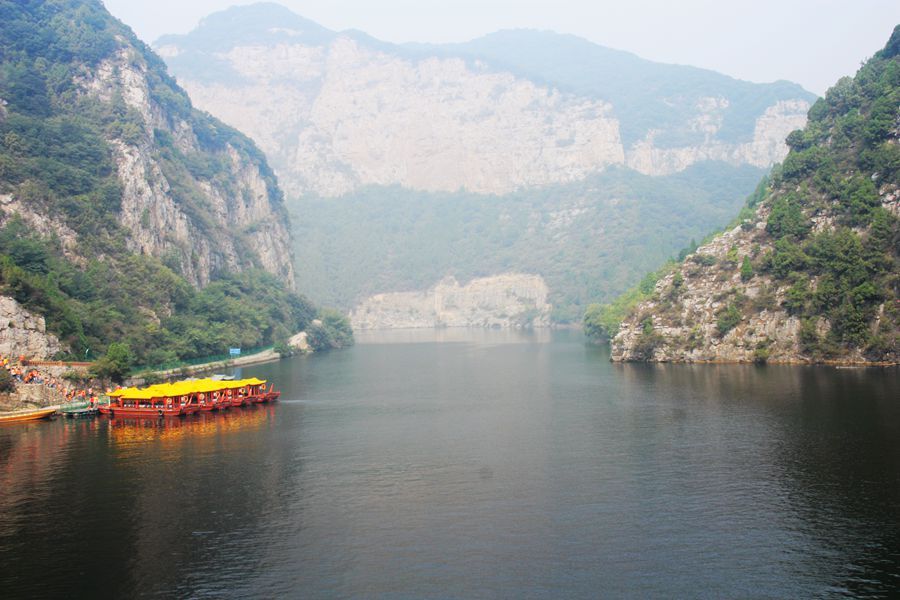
126, 215
588, 240
810, 272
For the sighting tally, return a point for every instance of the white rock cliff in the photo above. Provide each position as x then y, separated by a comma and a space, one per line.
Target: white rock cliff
504, 301
23, 333
338, 116
248, 226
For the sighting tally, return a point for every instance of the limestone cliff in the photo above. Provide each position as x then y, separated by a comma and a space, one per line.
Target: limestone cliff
504, 301
127, 215
225, 217
810, 273
191, 190
336, 111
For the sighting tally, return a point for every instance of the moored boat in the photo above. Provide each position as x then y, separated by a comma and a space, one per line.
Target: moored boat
27, 415
184, 397
256, 390
272, 394
76, 410
82, 413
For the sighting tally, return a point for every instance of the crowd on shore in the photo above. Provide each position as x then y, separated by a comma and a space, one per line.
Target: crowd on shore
21, 372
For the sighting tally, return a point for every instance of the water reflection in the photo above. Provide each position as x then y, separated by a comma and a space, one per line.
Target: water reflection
204, 424
485, 464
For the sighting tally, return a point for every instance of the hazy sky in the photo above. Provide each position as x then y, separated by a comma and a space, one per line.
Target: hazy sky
812, 42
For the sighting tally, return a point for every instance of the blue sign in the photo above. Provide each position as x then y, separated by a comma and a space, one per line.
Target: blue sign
234, 351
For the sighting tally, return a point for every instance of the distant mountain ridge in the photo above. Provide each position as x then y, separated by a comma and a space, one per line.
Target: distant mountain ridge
510, 110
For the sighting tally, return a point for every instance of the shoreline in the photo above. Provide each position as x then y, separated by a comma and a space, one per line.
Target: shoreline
850, 364
241, 361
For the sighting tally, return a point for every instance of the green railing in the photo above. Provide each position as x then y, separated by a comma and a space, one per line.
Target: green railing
191, 362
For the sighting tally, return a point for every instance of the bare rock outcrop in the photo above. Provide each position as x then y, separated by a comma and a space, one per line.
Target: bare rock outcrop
680, 323
764, 149
205, 221
504, 301
687, 317
23, 333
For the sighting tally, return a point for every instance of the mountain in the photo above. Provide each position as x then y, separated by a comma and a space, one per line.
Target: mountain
125, 213
588, 240
522, 152
335, 112
810, 271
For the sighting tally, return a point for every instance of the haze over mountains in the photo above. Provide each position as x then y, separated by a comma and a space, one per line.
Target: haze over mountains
336, 111
556, 129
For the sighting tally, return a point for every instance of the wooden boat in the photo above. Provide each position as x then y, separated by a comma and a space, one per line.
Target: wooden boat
72, 410
271, 395
253, 391
163, 400
233, 397
27, 415
185, 397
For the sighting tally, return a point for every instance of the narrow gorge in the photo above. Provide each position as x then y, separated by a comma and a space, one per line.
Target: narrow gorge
543, 148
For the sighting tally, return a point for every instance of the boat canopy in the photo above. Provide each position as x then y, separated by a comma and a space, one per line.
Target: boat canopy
121, 392
183, 388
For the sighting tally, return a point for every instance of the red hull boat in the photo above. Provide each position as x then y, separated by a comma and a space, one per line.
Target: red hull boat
186, 397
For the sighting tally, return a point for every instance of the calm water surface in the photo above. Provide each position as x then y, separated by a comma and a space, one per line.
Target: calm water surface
478, 465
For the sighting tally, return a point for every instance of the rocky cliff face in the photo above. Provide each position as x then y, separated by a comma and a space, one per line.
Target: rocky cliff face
338, 111
127, 215
764, 149
503, 301
225, 217
680, 322
23, 333
810, 273
366, 117
686, 318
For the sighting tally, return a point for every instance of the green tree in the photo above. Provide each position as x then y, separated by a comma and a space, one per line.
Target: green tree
746, 269
728, 318
787, 218
116, 364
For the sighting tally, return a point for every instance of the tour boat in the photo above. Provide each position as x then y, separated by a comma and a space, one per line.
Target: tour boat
182, 397
148, 402
254, 391
272, 394
27, 415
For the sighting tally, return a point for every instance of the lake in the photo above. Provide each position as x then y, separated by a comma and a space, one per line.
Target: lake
472, 464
